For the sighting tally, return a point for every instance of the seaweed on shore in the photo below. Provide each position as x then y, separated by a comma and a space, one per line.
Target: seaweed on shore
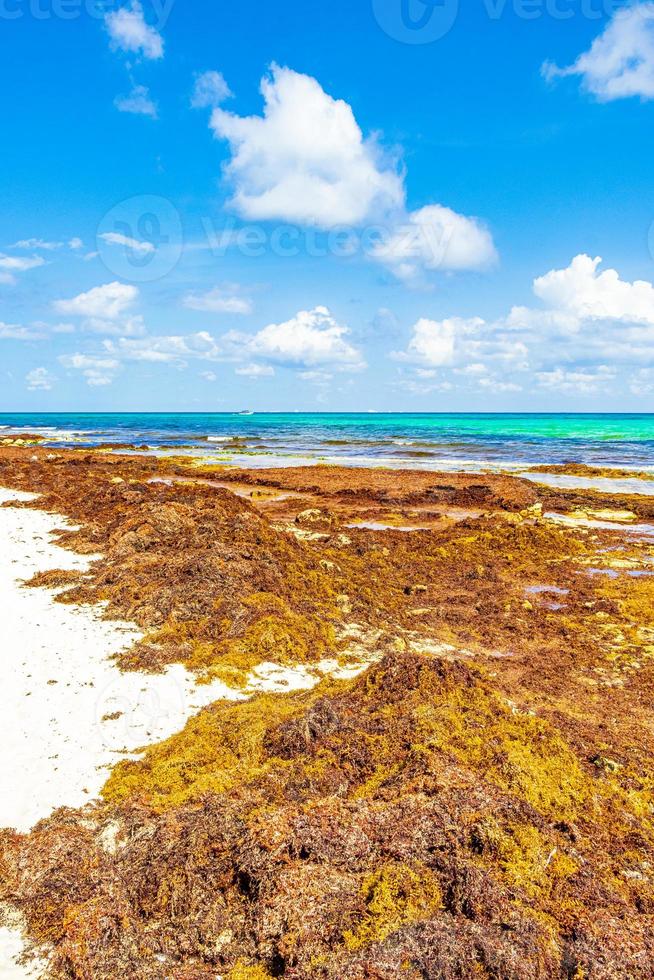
408, 823
478, 803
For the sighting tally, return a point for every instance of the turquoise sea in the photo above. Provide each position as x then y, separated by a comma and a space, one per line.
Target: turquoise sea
442, 441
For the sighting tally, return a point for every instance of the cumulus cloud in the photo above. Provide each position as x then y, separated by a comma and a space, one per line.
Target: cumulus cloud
106, 302
209, 90
128, 31
436, 238
98, 371
305, 160
100, 366
310, 339
175, 348
581, 291
620, 62
138, 102
432, 341
590, 322
218, 301
577, 381
460, 341
39, 379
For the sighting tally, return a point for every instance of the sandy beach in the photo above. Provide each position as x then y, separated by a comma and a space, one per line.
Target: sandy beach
61, 686
196, 708
69, 712
58, 729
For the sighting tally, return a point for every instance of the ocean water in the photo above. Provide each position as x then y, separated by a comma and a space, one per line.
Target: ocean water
441, 441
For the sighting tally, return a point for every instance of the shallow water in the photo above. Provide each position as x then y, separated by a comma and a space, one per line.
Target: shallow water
380, 526
468, 442
541, 589
644, 531
605, 484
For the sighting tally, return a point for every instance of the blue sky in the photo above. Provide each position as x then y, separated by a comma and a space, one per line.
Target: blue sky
300, 205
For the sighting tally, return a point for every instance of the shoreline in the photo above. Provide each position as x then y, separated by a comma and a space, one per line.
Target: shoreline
448, 442
474, 580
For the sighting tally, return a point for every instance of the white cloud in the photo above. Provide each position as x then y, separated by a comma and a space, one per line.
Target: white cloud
165, 349
550, 321
129, 326
129, 32
134, 244
39, 379
316, 377
620, 62
576, 381
642, 382
497, 385
305, 160
15, 331
98, 371
433, 342
218, 301
312, 338
590, 319
436, 238
37, 243
255, 371
210, 376
138, 102
44, 245
106, 302
210, 90
17, 263
582, 292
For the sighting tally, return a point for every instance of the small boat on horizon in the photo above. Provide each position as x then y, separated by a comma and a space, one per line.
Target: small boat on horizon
245, 412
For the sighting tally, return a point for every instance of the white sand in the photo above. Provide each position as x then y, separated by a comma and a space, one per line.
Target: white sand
58, 685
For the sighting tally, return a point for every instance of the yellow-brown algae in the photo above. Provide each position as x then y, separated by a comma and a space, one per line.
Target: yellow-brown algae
477, 803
